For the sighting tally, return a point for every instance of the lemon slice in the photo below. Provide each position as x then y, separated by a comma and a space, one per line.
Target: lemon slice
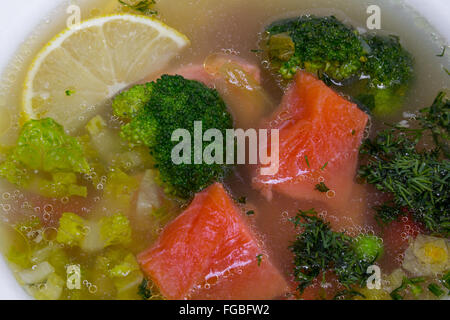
83, 67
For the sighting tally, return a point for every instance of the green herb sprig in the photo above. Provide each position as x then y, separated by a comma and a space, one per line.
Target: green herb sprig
318, 250
416, 179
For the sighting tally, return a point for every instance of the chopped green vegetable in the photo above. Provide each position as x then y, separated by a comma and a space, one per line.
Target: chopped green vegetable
72, 229
318, 250
128, 265
446, 281
417, 180
259, 258
321, 187
115, 230
390, 70
250, 212
413, 284
44, 147
130, 102
436, 290
437, 119
144, 291
176, 103
443, 52
121, 267
368, 247
242, 200
321, 44
62, 185
388, 64
307, 161
70, 92
51, 289
281, 47
144, 6
120, 187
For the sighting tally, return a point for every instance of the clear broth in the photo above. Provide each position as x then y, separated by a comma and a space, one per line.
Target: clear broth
234, 26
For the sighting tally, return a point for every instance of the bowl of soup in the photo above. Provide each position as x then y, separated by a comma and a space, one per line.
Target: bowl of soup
239, 150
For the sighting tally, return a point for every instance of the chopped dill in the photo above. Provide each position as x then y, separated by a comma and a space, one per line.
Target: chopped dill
435, 290
446, 281
259, 258
307, 161
443, 52
69, 92
242, 200
250, 212
319, 250
416, 179
324, 166
321, 187
144, 291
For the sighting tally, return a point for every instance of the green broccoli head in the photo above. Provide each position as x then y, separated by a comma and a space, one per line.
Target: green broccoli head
129, 102
176, 103
389, 69
316, 44
388, 63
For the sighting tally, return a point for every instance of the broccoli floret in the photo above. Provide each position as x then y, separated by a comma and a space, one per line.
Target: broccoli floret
44, 146
317, 44
176, 103
388, 63
115, 230
389, 68
129, 102
72, 229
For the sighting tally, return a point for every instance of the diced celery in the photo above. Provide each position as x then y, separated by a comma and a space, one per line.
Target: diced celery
120, 186
36, 274
72, 229
96, 125
52, 289
93, 241
125, 268
115, 230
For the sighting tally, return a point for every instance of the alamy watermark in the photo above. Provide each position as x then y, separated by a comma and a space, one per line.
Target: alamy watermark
237, 151
374, 20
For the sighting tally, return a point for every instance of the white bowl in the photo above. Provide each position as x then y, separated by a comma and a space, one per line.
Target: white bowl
19, 18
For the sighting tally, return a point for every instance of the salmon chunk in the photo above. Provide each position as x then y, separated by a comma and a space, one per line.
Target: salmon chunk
209, 252
320, 133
